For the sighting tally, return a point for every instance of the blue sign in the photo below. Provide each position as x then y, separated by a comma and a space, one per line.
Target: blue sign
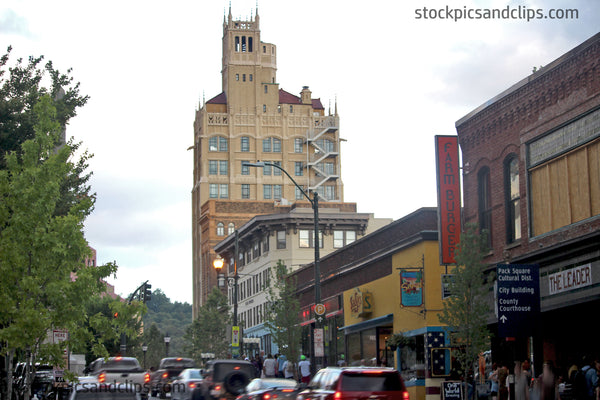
518, 299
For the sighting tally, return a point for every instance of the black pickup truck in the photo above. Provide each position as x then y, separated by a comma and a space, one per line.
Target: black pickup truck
168, 370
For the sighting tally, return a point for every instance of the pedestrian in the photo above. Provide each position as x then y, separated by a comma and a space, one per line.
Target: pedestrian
280, 362
304, 369
342, 361
548, 383
289, 370
257, 366
522, 379
270, 367
502, 387
494, 380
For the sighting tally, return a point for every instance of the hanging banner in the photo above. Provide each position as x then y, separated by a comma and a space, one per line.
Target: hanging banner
448, 187
411, 285
235, 336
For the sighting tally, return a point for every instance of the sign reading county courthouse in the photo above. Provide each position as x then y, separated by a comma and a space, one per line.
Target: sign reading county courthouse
518, 299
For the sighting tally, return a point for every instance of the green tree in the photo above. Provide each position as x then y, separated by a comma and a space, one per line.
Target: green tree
283, 314
44, 281
208, 333
465, 312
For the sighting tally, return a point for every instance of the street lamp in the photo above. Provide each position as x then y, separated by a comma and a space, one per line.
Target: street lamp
167, 341
314, 202
218, 265
144, 349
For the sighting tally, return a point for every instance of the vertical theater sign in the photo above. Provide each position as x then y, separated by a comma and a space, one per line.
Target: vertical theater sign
448, 186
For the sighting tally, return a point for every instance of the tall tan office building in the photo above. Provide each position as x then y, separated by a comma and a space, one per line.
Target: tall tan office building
254, 119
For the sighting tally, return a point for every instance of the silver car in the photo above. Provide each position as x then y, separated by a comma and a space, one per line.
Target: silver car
183, 386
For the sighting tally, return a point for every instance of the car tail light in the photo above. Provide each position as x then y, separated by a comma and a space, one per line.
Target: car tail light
192, 385
146, 377
102, 377
266, 396
405, 395
165, 375
338, 395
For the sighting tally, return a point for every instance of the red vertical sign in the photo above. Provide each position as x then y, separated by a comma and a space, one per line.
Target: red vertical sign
448, 180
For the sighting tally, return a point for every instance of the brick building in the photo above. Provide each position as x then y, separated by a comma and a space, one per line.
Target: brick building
531, 173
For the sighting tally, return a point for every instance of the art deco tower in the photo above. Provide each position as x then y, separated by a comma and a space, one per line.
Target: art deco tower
253, 119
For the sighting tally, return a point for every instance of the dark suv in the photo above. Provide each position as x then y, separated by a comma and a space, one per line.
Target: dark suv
224, 379
353, 383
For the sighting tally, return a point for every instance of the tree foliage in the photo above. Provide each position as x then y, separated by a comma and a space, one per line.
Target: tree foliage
44, 282
465, 313
208, 333
283, 314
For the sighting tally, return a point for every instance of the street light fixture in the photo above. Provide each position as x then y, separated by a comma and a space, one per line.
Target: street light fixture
218, 264
144, 349
314, 202
167, 341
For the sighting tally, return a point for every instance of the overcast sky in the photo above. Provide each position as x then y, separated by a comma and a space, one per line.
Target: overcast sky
398, 80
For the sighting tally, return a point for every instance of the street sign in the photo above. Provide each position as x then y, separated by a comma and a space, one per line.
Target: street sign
320, 309
518, 299
319, 343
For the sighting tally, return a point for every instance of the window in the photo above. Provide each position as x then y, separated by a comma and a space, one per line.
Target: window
220, 229
291, 109
245, 168
245, 191
267, 145
230, 228
267, 170
306, 238
265, 244
217, 143
343, 238
267, 192
298, 168
266, 89
223, 191
298, 145
213, 167
485, 203
223, 168
264, 108
243, 77
245, 144
276, 145
213, 190
513, 211
299, 194
277, 192
281, 239
277, 171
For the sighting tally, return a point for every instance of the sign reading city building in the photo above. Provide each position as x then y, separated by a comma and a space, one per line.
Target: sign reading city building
448, 186
518, 299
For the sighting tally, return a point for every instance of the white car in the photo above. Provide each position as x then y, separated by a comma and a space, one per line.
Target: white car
183, 387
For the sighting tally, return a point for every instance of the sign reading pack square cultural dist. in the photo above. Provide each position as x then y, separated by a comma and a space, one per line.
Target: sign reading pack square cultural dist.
518, 299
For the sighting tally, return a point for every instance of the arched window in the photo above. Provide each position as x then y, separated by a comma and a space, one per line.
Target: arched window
485, 203
230, 228
512, 198
217, 143
220, 229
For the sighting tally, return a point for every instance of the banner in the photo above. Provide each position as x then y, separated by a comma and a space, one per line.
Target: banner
411, 285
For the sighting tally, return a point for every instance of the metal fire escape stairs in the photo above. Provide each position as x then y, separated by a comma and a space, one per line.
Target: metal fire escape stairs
319, 155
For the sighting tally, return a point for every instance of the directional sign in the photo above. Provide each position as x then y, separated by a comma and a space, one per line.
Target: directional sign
518, 299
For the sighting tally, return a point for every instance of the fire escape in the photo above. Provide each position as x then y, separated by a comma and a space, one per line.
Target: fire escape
325, 143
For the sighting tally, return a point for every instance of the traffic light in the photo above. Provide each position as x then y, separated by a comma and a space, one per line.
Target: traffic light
146, 292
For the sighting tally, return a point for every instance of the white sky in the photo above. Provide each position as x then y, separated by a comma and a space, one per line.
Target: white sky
398, 82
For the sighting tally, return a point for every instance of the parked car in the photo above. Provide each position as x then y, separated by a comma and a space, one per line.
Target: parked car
270, 388
224, 379
168, 370
352, 383
183, 386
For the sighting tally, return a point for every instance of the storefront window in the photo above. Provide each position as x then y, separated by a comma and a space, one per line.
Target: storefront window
412, 358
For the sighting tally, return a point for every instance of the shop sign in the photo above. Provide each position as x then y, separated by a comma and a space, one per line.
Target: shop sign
448, 186
570, 279
452, 390
361, 304
411, 288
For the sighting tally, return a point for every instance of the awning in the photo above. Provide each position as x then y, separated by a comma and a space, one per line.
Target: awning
371, 323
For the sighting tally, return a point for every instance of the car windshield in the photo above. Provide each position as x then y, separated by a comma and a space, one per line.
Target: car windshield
181, 363
371, 382
194, 374
122, 364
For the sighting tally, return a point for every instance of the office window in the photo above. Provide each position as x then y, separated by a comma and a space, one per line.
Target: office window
220, 229
245, 191
485, 203
230, 228
298, 145
267, 145
281, 240
245, 143
276, 171
298, 168
245, 168
276, 145
343, 238
306, 238
265, 243
213, 190
222, 144
329, 192
299, 194
267, 170
223, 191
267, 192
277, 192
213, 143
513, 197
213, 167
223, 167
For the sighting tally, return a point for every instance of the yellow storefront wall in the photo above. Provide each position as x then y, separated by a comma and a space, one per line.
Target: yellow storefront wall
384, 297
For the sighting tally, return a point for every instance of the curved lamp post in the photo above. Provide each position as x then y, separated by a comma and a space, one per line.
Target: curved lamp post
314, 202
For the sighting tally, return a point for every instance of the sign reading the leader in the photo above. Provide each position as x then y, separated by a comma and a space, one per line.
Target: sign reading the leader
518, 299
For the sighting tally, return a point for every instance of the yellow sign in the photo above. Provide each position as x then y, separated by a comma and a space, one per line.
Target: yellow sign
235, 336
361, 304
